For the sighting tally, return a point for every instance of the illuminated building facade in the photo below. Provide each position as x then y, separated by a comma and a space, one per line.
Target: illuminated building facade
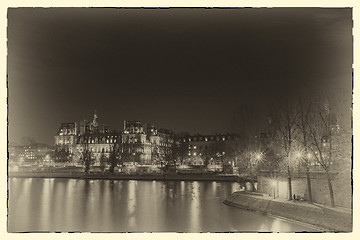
29, 154
72, 138
199, 147
146, 144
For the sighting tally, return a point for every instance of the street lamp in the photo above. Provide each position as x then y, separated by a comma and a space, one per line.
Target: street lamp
257, 157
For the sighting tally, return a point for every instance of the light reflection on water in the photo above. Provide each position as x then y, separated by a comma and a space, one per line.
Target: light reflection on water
195, 208
130, 206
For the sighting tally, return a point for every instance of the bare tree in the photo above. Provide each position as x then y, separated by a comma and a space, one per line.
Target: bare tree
180, 149
207, 153
103, 160
120, 152
328, 143
286, 132
155, 154
304, 110
115, 151
62, 155
87, 157
167, 153
28, 141
219, 150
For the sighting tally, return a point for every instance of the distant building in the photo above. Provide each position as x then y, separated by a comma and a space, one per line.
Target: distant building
146, 144
71, 137
198, 145
29, 154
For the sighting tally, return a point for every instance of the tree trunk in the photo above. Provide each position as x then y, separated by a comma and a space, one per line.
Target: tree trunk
111, 169
252, 182
308, 180
289, 185
87, 167
332, 200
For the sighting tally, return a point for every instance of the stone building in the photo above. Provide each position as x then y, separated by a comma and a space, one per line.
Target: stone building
72, 138
146, 144
29, 154
211, 148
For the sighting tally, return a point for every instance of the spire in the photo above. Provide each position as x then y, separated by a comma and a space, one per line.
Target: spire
95, 122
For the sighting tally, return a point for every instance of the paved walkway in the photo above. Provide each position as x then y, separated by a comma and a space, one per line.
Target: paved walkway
331, 219
301, 203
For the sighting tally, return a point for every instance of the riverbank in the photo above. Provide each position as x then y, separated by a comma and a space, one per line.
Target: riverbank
324, 218
121, 176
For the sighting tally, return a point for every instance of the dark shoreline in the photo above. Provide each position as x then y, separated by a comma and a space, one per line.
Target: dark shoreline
117, 176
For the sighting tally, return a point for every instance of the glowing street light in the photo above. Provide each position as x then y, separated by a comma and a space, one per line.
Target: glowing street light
258, 156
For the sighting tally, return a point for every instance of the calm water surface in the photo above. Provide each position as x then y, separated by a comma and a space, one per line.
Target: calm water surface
41, 204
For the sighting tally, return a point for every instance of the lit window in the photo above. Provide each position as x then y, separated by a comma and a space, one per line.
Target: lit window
194, 153
206, 139
189, 139
223, 138
194, 147
189, 147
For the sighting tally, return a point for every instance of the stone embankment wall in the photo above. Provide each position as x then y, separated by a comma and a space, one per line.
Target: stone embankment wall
342, 188
174, 177
322, 218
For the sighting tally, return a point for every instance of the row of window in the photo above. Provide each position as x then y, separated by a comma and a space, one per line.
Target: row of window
211, 138
194, 153
66, 131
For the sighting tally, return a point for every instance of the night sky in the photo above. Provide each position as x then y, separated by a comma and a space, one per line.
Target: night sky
193, 70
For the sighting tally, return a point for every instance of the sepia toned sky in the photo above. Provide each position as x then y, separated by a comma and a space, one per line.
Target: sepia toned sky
184, 69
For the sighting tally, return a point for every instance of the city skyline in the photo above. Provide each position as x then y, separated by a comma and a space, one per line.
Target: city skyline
190, 70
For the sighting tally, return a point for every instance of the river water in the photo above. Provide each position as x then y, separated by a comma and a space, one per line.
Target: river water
74, 205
